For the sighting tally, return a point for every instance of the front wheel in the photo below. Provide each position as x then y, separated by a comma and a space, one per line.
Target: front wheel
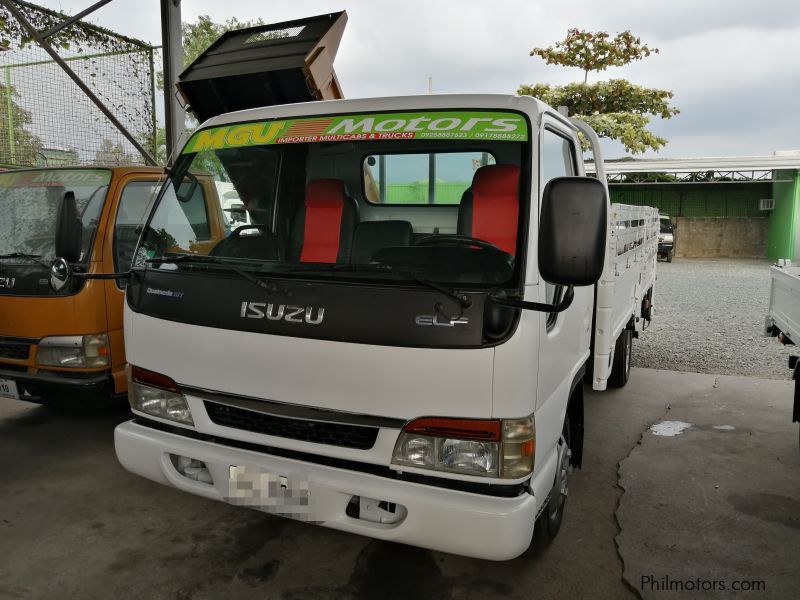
621, 367
548, 524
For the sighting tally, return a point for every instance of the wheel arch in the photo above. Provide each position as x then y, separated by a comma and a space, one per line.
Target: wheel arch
575, 413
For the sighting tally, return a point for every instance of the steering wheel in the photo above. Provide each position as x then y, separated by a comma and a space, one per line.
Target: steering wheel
264, 246
238, 231
456, 240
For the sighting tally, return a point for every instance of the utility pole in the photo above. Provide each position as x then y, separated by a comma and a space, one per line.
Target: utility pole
172, 42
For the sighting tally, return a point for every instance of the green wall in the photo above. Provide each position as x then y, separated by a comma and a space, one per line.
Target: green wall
696, 200
782, 226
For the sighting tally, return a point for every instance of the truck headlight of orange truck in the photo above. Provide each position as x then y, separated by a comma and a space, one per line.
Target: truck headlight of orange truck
71, 351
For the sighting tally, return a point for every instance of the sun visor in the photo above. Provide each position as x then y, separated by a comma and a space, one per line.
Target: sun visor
281, 63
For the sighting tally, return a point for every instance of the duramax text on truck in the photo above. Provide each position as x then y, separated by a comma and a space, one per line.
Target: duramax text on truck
66, 347
395, 342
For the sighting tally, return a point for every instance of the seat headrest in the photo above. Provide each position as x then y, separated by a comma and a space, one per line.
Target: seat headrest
325, 193
496, 180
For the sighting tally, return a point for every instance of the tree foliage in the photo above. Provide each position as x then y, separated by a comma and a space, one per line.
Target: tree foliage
594, 50
18, 146
79, 36
617, 108
113, 155
198, 35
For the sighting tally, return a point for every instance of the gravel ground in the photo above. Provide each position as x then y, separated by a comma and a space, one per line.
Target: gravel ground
709, 318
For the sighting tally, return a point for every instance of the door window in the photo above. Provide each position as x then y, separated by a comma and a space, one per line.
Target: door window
558, 159
133, 203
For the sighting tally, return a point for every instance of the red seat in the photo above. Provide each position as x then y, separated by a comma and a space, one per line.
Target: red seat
489, 209
323, 227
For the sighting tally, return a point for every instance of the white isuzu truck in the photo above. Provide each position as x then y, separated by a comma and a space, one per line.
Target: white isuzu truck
395, 342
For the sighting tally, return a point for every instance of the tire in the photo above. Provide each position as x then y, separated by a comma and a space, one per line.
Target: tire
548, 524
669, 256
621, 367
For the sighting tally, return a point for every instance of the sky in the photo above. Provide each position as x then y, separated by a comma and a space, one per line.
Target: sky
733, 65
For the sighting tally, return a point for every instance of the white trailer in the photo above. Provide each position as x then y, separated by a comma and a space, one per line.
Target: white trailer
784, 302
396, 359
623, 306
783, 319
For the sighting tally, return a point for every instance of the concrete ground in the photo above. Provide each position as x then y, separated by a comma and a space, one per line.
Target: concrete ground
713, 504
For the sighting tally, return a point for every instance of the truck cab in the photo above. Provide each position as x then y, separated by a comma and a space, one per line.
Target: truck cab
66, 347
666, 238
352, 340
394, 341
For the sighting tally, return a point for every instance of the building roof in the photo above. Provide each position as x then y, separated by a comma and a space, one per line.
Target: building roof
789, 159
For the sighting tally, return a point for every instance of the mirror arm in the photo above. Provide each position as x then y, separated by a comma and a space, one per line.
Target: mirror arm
566, 301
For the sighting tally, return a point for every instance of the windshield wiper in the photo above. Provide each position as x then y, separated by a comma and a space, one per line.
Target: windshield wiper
33, 257
264, 284
462, 300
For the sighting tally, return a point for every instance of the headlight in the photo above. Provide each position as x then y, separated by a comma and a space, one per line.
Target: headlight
489, 448
80, 351
157, 395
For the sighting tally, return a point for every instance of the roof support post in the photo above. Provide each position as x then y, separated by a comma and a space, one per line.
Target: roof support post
174, 113
31, 30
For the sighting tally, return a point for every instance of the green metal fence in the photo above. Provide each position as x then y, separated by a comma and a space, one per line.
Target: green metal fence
46, 120
704, 200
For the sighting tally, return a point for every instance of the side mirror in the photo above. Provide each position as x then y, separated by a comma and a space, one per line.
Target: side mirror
69, 229
572, 231
60, 274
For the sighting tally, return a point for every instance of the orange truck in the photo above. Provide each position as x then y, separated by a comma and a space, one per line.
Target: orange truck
67, 347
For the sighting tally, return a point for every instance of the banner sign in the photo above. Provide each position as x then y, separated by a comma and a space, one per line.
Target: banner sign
455, 125
55, 178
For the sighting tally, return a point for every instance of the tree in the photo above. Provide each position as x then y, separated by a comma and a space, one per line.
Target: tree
111, 154
616, 108
199, 35
18, 146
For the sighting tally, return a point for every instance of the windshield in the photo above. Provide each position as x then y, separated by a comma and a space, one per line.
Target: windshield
666, 225
29, 202
373, 196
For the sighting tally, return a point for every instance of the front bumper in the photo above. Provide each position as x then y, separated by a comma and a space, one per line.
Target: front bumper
464, 523
665, 248
53, 387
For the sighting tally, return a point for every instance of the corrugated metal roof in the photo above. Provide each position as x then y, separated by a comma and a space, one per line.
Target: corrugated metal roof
777, 161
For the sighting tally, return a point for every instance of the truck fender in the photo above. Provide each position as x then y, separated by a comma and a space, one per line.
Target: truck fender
575, 413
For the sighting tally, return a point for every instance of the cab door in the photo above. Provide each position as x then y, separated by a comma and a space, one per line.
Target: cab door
133, 195
564, 337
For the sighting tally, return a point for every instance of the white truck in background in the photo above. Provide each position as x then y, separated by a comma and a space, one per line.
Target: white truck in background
399, 361
783, 319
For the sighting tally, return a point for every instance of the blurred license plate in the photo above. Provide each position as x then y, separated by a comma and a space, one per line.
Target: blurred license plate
8, 389
277, 494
